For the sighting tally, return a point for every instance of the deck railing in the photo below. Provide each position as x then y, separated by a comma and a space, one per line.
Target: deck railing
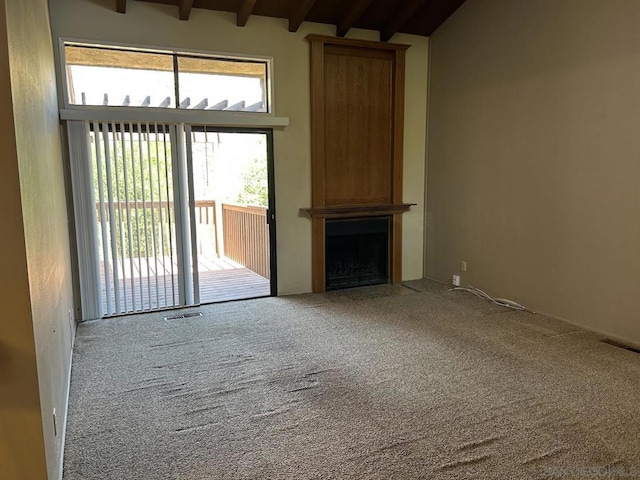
245, 232
246, 237
206, 217
139, 211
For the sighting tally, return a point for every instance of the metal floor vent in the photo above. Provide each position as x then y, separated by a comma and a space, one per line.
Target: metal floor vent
621, 345
183, 315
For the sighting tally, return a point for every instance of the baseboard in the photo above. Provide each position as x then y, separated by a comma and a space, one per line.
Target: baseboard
437, 281
597, 331
63, 433
603, 333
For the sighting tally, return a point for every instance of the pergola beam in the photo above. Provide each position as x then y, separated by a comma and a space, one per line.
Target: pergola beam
300, 14
121, 6
185, 9
358, 7
401, 18
244, 12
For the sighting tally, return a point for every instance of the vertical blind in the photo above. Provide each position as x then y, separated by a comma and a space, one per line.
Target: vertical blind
133, 167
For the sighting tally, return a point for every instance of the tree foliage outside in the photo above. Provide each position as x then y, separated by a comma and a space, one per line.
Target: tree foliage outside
139, 173
256, 189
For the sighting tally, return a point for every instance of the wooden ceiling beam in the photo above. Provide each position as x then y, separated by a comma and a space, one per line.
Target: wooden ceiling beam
401, 18
300, 14
244, 12
358, 7
121, 6
185, 9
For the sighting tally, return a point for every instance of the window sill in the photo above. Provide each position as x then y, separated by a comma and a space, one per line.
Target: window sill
173, 115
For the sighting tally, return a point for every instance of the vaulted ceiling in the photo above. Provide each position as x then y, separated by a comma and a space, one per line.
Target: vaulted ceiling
418, 17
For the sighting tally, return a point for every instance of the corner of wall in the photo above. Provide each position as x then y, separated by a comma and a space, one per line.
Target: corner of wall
44, 229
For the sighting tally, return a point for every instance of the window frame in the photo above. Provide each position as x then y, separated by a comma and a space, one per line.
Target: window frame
70, 111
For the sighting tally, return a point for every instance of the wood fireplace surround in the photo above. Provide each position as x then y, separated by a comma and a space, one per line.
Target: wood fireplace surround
357, 115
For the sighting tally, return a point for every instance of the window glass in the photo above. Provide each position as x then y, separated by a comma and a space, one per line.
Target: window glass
214, 84
98, 76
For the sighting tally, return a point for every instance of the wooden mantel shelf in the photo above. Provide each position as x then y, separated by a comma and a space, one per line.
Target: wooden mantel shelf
345, 211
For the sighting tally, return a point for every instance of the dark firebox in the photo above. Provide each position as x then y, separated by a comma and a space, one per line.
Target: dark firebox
357, 252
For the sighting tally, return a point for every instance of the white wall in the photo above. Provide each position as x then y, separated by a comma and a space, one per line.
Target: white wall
158, 25
21, 441
534, 168
35, 269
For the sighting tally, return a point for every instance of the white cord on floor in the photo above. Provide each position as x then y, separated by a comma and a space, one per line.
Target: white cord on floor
503, 302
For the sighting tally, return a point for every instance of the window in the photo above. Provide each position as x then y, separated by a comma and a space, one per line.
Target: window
100, 76
222, 85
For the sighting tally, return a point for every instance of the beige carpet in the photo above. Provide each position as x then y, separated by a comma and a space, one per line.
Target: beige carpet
387, 382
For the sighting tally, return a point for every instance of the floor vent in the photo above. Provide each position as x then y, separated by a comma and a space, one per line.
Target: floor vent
183, 315
621, 345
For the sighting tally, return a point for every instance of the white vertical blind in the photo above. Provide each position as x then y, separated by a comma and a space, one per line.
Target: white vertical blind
82, 178
188, 136
135, 215
184, 215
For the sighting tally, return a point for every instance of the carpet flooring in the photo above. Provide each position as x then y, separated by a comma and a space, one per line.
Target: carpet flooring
387, 382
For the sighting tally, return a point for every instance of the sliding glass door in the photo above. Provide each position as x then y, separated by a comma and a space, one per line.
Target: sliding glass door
171, 215
231, 212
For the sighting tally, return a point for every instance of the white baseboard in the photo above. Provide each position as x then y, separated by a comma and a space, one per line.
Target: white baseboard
65, 412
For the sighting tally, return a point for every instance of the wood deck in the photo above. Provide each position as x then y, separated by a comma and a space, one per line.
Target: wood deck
220, 279
236, 284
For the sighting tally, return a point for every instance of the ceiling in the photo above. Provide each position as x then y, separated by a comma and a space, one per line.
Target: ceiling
418, 17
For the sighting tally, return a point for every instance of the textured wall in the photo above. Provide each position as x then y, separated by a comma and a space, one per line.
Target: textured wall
44, 234
21, 442
158, 25
533, 170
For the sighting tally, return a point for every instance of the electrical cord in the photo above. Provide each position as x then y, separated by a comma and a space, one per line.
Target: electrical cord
503, 302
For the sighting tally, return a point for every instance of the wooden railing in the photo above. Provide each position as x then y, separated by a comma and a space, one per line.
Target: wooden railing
245, 232
205, 214
205, 209
246, 237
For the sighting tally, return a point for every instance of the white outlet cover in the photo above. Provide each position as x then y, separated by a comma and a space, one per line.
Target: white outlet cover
456, 280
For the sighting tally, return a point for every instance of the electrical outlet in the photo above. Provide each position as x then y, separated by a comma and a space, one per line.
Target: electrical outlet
463, 267
456, 280
55, 424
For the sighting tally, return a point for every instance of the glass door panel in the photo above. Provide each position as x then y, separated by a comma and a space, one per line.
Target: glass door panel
231, 212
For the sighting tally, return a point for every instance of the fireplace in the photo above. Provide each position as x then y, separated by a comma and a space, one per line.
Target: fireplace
356, 173
357, 252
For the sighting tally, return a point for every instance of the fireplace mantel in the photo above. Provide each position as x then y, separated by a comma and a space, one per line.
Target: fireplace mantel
346, 211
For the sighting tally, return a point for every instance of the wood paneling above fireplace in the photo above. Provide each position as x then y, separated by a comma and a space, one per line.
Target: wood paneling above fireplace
357, 113
358, 126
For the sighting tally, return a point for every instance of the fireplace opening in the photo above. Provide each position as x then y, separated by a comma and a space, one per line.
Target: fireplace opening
356, 252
